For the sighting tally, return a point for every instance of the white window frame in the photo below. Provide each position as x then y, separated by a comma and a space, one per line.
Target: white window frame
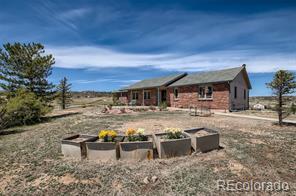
148, 92
176, 97
204, 97
137, 97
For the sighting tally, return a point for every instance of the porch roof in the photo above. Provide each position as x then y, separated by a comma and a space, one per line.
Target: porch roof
119, 91
155, 82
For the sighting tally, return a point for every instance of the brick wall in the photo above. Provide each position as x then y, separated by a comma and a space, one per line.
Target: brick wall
188, 96
153, 100
147, 102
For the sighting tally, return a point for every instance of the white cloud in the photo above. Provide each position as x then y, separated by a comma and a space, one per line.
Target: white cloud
74, 13
125, 82
99, 57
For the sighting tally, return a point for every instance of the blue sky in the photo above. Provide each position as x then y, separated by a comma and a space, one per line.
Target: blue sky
106, 45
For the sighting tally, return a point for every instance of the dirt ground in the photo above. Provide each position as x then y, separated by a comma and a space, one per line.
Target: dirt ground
31, 162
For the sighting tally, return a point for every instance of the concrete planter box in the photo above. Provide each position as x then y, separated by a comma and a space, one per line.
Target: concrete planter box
74, 146
137, 151
172, 147
103, 151
203, 139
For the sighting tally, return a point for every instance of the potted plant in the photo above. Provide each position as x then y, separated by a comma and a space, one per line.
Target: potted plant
75, 147
136, 145
173, 142
203, 139
105, 148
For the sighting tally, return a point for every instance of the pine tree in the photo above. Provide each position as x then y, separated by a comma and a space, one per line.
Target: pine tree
3, 121
64, 93
26, 66
283, 83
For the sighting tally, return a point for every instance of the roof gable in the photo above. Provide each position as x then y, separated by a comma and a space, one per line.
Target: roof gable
156, 82
246, 77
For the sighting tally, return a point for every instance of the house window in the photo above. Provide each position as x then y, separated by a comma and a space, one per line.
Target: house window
209, 92
176, 93
235, 92
205, 92
201, 92
147, 95
135, 95
245, 94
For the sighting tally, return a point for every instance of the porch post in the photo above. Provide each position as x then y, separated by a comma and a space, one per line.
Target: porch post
158, 96
143, 98
131, 97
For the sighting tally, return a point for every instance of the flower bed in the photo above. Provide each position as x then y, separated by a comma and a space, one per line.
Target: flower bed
172, 143
74, 146
203, 139
105, 148
136, 146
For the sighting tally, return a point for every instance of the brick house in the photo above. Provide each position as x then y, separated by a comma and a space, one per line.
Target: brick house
226, 89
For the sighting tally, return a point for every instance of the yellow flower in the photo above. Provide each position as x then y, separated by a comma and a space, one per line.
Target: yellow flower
130, 131
104, 133
112, 134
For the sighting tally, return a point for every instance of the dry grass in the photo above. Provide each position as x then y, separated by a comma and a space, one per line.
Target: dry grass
270, 103
265, 113
86, 102
31, 160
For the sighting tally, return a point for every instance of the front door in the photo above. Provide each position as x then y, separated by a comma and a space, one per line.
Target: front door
163, 96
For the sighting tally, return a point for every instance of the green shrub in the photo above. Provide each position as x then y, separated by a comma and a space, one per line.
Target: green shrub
25, 108
163, 106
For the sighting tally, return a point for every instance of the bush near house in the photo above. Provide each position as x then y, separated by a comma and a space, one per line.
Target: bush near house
163, 106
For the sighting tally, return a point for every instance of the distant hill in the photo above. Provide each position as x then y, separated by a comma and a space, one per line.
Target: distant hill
90, 94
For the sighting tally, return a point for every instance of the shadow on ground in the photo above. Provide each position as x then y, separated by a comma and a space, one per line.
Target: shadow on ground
288, 124
53, 117
10, 132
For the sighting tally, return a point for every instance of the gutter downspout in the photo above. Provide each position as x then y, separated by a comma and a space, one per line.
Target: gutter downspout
229, 97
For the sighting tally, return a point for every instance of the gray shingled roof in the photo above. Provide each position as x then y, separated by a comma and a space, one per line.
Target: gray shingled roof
209, 77
155, 82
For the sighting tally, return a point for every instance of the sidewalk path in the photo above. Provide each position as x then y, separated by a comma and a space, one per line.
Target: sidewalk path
254, 117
